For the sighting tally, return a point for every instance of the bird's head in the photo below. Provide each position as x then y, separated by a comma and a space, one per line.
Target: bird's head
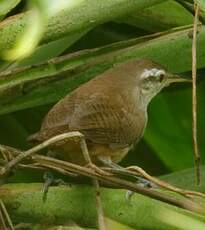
152, 78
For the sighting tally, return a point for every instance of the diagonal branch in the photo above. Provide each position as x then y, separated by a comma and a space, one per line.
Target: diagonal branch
35, 149
4, 217
122, 183
95, 174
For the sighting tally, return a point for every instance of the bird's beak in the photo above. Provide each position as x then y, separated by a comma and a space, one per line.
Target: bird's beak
172, 78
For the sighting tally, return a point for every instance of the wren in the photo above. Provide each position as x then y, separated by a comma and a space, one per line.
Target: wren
109, 110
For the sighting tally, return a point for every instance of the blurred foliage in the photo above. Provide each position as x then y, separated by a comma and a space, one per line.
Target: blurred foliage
91, 36
73, 202
180, 221
7, 6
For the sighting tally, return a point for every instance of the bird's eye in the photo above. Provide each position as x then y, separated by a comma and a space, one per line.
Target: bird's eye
161, 77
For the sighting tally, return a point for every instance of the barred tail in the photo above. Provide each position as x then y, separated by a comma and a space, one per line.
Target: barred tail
34, 138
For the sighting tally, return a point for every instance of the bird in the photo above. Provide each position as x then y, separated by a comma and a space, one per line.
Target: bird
110, 111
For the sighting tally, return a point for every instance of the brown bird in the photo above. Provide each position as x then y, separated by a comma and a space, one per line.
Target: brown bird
109, 110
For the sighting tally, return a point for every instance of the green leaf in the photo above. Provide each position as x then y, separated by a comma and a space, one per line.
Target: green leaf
38, 16
24, 202
163, 16
7, 5
169, 130
87, 15
51, 49
19, 89
186, 179
180, 221
12, 132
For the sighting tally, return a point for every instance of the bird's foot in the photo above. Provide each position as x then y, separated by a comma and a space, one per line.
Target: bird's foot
142, 183
50, 180
143, 176
117, 169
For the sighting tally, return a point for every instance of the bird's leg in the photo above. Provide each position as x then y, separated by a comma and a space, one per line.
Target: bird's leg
50, 180
155, 182
106, 160
9, 153
119, 169
145, 179
51, 141
163, 184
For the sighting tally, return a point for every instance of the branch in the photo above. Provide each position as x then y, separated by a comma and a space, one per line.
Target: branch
96, 174
194, 96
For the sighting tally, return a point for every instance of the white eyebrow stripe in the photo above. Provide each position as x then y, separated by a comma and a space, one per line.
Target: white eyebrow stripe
152, 72
159, 72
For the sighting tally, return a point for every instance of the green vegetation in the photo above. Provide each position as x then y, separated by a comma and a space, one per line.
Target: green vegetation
48, 49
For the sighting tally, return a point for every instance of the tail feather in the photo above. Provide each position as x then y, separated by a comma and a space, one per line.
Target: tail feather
34, 138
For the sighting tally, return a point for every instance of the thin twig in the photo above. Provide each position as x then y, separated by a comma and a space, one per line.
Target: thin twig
122, 183
55, 139
194, 96
163, 184
23, 155
64, 172
2, 221
37, 148
10, 153
130, 171
5, 213
63, 166
137, 172
100, 213
99, 208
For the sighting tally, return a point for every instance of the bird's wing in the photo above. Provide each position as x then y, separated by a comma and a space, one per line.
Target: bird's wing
103, 119
57, 119
100, 117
